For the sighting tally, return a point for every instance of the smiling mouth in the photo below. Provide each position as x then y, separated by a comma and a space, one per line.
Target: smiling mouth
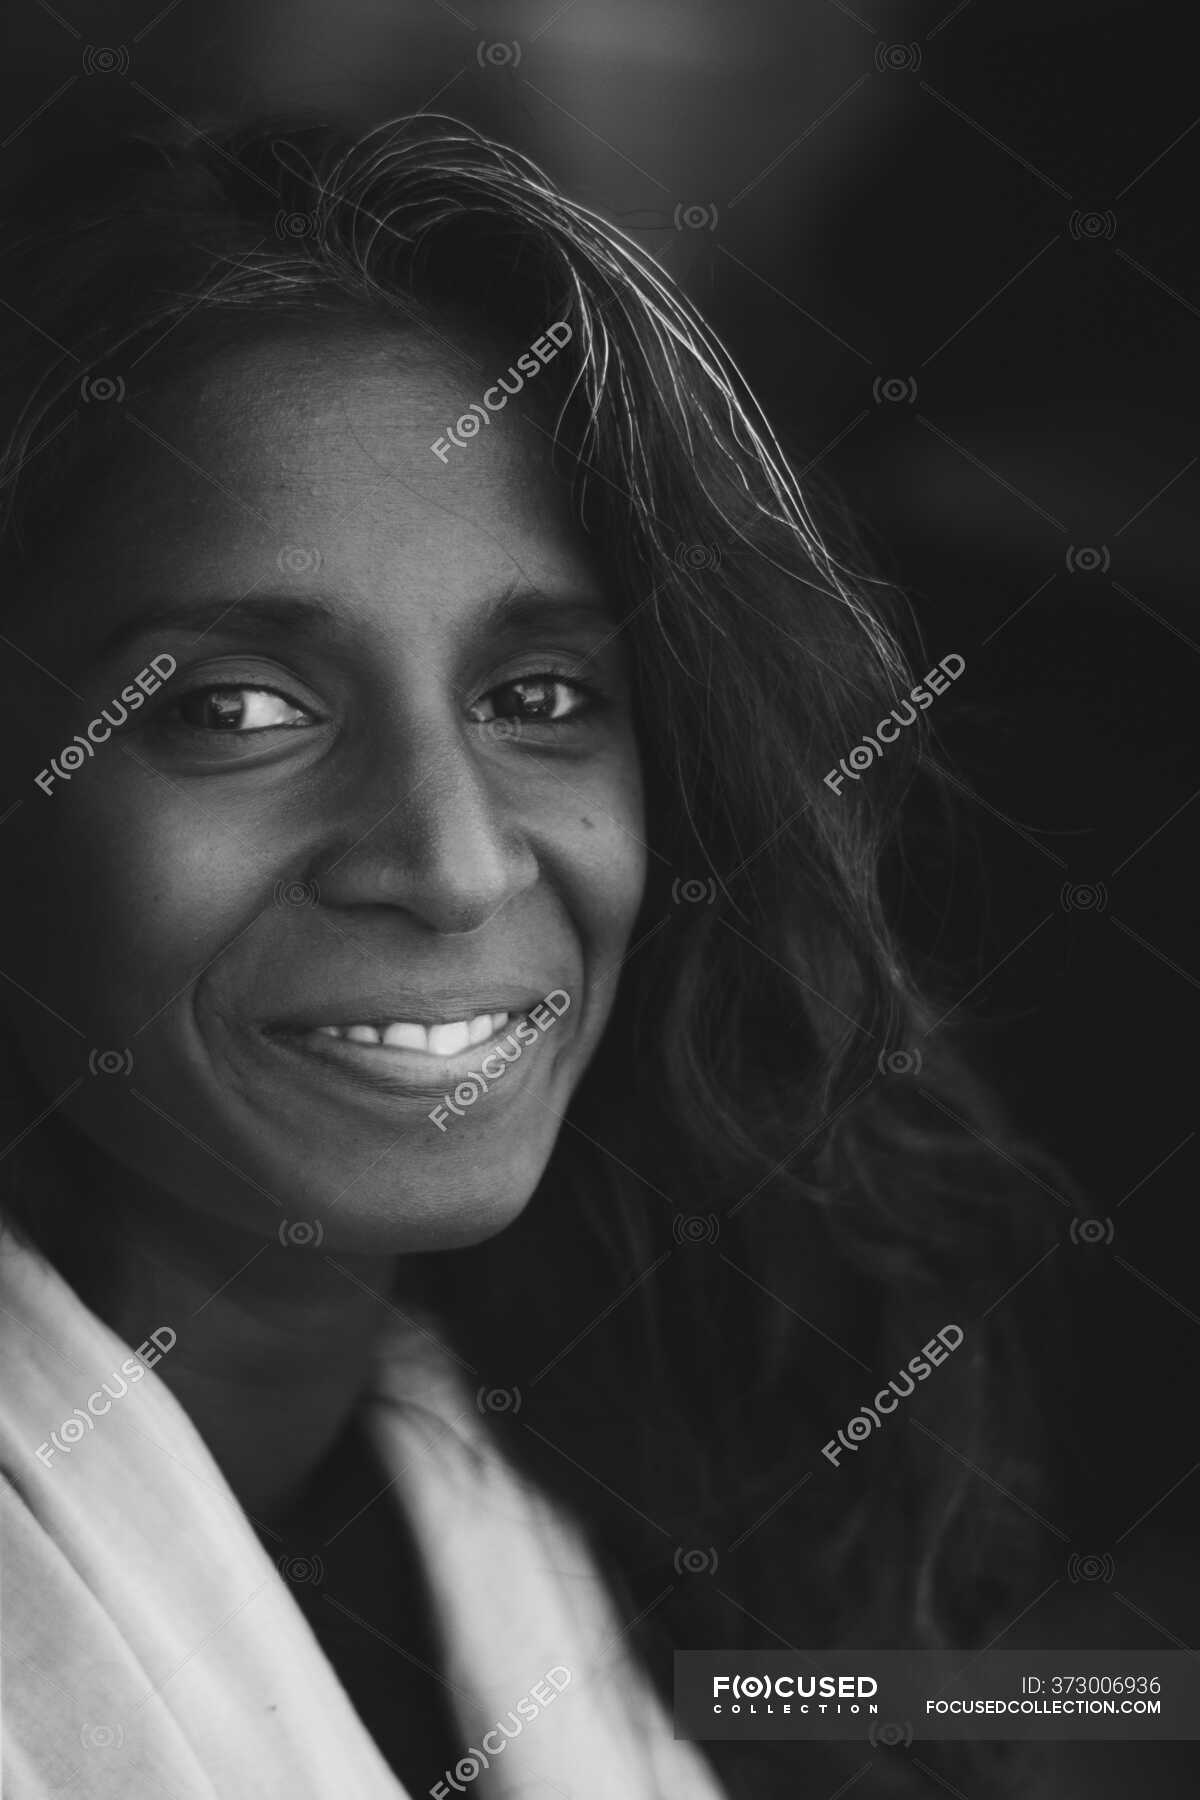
401, 1056
444, 1040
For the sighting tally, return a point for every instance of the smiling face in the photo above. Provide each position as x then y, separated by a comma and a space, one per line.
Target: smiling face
316, 885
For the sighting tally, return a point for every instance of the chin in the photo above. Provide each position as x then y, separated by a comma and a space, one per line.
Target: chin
398, 1228
448, 1211
302, 1192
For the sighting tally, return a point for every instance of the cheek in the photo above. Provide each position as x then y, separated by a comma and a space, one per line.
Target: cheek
128, 890
613, 864
605, 824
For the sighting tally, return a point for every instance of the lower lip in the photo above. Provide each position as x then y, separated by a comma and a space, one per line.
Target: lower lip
404, 1074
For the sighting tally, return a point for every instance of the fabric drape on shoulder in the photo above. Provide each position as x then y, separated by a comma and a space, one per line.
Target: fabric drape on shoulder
151, 1647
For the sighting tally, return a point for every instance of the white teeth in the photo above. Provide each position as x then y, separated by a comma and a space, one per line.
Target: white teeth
406, 1037
449, 1040
433, 1040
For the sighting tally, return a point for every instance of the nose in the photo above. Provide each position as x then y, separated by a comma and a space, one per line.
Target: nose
432, 833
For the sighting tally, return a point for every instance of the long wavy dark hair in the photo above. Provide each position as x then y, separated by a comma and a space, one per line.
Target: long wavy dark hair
777, 1179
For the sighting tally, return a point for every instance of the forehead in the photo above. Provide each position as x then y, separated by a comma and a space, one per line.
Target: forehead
312, 448
334, 403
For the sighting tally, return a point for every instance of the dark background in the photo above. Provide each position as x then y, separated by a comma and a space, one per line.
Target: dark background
954, 250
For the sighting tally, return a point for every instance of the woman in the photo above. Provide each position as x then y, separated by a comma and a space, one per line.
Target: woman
463, 1045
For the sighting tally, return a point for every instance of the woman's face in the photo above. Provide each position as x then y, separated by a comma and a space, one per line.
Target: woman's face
389, 792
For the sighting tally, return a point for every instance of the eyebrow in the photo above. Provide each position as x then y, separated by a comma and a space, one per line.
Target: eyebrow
316, 620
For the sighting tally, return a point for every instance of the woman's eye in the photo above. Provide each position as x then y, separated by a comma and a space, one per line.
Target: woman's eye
540, 699
237, 709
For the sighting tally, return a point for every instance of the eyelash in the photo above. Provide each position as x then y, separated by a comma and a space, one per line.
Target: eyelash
590, 696
172, 719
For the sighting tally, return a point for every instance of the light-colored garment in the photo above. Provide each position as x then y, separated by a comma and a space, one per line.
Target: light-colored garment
153, 1651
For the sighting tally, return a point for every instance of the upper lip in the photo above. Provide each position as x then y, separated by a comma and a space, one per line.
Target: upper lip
444, 1008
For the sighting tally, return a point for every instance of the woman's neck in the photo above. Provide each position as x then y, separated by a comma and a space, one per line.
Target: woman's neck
273, 1340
